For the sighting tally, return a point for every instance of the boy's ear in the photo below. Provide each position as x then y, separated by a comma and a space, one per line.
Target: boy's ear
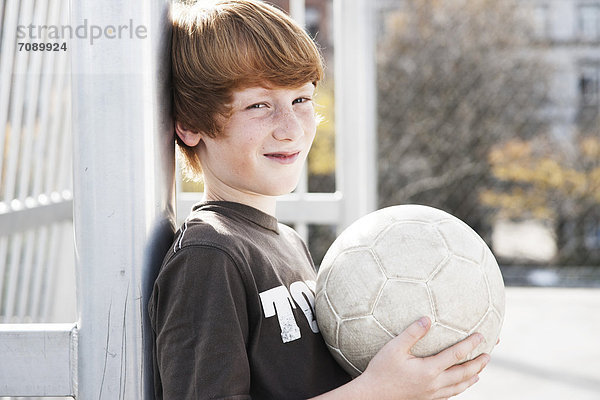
189, 137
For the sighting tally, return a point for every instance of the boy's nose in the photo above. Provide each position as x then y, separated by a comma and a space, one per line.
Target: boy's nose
288, 126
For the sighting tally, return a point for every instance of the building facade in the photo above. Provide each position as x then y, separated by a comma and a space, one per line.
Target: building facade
568, 38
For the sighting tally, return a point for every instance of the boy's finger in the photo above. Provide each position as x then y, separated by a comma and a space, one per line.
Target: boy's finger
451, 391
413, 334
457, 353
463, 372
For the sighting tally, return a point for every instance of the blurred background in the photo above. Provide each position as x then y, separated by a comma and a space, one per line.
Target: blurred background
488, 109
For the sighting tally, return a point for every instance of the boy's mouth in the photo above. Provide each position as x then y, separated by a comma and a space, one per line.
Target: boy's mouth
283, 157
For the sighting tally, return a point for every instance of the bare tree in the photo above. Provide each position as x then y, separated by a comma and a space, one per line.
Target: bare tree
454, 79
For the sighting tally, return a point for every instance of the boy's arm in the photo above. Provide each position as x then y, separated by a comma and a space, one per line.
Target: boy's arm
198, 312
395, 374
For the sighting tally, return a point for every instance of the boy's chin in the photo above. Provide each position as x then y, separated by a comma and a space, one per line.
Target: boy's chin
281, 190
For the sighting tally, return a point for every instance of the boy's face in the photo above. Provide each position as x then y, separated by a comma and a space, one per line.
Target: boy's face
263, 145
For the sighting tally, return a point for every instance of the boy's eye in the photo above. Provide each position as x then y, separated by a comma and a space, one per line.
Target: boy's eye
301, 100
257, 105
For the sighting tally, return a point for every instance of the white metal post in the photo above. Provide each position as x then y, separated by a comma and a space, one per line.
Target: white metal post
355, 103
298, 13
123, 188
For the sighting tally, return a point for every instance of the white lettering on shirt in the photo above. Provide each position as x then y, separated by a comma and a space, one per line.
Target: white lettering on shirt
305, 299
278, 301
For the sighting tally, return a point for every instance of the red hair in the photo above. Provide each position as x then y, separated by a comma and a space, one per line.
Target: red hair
228, 45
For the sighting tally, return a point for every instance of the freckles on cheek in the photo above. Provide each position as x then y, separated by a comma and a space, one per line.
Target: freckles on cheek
239, 166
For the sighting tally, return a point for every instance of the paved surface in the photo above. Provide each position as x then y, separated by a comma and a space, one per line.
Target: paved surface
549, 348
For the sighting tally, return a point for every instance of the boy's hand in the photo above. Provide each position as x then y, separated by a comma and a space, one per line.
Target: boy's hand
394, 373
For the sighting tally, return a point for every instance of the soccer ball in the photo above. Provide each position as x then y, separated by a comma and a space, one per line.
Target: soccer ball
395, 265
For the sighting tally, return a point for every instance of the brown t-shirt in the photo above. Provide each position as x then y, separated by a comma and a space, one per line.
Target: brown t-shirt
233, 311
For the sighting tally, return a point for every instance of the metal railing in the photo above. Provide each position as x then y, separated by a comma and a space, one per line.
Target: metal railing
35, 170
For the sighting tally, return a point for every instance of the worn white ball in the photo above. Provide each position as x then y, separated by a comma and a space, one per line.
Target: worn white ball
395, 265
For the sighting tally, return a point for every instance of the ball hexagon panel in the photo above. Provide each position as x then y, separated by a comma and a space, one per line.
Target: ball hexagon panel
460, 294
327, 320
438, 337
412, 212
352, 341
357, 278
461, 239
489, 328
364, 231
400, 304
494, 278
403, 245
343, 361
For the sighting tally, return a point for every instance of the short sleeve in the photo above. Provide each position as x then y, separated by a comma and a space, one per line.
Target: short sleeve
199, 317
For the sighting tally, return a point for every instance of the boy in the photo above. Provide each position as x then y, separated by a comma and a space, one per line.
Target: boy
232, 307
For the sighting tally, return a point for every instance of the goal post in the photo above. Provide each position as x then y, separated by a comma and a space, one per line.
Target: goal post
123, 183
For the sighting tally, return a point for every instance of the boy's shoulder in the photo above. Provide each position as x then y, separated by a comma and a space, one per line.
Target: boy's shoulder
227, 225
204, 235
232, 233
206, 227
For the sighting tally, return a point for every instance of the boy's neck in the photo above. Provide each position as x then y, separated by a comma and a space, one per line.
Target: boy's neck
266, 204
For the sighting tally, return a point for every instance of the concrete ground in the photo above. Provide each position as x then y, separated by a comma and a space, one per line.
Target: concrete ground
549, 348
